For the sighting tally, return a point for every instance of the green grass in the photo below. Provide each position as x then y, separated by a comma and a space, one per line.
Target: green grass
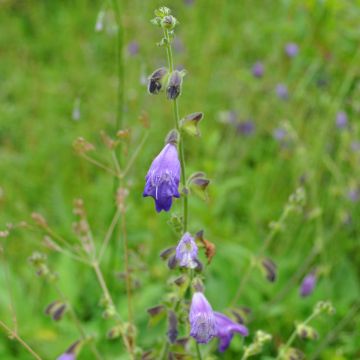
50, 55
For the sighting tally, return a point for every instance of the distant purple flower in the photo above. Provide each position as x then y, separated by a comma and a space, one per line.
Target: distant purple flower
133, 48
341, 120
189, 2
258, 69
163, 177
225, 330
291, 49
67, 356
246, 127
308, 284
282, 91
279, 134
187, 251
353, 195
202, 319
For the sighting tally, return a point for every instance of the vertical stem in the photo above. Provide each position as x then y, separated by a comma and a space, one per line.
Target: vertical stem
177, 126
198, 352
108, 297
77, 322
127, 269
118, 157
120, 67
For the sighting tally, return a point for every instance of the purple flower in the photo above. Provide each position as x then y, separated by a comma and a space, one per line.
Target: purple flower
246, 127
308, 284
67, 356
202, 319
225, 330
341, 120
133, 48
163, 177
282, 91
187, 251
279, 134
258, 69
353, 195
291, 49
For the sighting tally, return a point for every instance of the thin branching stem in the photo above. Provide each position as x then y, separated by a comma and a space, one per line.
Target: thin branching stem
100, 165
246, 275
294, 334
15, 335
9, 288
109, 234
77, 322
109, 299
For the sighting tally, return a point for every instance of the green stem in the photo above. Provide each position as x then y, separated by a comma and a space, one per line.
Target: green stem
177, 126
266, 244
293, 336
14, 335
198, 352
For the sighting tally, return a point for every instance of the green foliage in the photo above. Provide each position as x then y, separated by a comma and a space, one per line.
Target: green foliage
53, 62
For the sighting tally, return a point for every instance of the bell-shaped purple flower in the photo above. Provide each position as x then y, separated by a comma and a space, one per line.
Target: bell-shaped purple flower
187, 252
225, 330
163, 177
202, 319
67, 356
308, 284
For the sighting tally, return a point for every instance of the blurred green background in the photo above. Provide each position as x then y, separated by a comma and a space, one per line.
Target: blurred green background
58, 82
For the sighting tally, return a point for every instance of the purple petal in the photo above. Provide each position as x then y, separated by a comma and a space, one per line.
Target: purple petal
67, 356
187, 251
202, 319
226, 328
163, 177
308, 285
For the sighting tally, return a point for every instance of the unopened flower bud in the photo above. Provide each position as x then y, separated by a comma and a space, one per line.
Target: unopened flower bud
324, 307
173, 89
114, 332
190, 123
293, 354
172, 262
165, 254
172, 332
306, 332
168, 22
156, 80
156, 310
269, 268
172, 137
56, 310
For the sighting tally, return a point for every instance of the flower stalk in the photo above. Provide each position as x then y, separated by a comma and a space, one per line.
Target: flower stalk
177, 126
